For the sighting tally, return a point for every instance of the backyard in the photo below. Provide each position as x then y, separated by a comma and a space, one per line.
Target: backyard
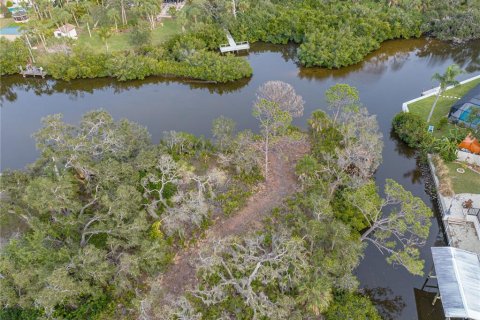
422, 107
467, 182
119, 41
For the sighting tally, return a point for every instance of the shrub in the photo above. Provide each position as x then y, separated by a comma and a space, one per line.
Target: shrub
442, 123
351, 306
410, 128
446, 148
131, 67
12, 55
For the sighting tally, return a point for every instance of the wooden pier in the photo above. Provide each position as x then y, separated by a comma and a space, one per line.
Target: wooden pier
233, 46
32, 71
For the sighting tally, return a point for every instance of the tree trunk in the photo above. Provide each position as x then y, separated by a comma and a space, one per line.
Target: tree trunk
434, 104
75, 18
266, 155
234, 9
124, 16
29, 46
88, 28
116, 26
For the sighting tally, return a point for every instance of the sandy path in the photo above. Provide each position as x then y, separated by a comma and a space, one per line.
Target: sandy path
281, 183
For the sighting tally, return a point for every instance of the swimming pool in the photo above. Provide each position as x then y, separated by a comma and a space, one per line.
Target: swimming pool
10, 30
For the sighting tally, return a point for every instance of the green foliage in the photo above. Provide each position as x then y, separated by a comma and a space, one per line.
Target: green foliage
410, 128
12, 55
130, 66
446, 149
347, 305
203, 65
83, 63
140, 35
324, 136
334, 49
346, 212
457, 21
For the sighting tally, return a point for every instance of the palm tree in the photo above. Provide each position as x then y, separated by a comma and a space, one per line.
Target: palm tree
114, 15
448, 78
104, 33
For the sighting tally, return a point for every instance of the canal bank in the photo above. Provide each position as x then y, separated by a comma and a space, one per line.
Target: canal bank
384, 80
455, 292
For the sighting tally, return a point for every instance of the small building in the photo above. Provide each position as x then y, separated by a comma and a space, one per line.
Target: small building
467, 110
458, 276
67, 30
20, 16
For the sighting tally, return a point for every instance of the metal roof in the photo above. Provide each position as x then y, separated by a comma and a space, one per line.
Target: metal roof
458, 276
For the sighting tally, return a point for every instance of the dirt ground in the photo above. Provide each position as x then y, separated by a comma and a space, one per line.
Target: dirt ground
281, 182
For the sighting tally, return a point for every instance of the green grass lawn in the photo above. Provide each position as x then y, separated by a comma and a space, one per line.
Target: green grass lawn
8, 22
466, 182
442, 108
119, 41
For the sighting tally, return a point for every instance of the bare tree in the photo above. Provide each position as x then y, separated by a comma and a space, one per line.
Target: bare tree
284, 95
239, 264
398, 233
189, 210
222, 130
154, 184
361, 150
275, 106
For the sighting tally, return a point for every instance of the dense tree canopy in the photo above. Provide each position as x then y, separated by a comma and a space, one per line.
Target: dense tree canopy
104, 209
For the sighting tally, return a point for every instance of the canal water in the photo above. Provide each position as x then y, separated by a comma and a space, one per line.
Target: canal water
397, 72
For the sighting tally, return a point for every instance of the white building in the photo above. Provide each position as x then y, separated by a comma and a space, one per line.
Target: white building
67, 30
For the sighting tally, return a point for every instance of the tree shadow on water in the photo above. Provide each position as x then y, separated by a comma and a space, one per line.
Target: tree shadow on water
389, 306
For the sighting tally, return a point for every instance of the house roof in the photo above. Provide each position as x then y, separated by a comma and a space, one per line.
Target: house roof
19, 13
472, 96
458, 276
66, 28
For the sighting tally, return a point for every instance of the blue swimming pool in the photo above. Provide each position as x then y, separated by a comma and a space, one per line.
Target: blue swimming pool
465, 116
10, 30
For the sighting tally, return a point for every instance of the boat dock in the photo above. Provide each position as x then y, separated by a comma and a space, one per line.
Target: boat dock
32, 71
233, 46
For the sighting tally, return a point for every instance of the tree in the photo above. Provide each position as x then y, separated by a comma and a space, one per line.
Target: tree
105, 33
275, 106
342, 98
140, 35
398, 233
222, 131
284, 95
114, 15
87, 20
247, 270
360, 151
271, 118
347, 305
448, 78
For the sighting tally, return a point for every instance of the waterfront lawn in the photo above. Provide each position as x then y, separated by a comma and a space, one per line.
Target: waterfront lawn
119, 41
6, 22
467, 182
422, 107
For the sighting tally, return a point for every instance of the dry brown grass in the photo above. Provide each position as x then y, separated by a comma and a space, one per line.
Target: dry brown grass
443, 174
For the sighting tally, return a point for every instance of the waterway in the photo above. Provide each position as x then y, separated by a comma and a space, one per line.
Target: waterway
397, 72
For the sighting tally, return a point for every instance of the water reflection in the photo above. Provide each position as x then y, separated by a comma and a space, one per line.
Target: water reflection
401, 147
389, 306
466, 55
78, 88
